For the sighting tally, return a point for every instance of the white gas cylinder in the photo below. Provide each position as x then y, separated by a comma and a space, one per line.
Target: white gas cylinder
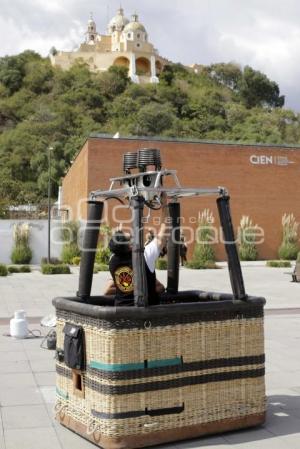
18, 325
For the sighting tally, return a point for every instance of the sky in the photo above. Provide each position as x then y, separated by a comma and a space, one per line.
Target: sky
264, 34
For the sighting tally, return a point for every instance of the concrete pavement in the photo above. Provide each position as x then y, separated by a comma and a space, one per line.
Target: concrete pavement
27, 374
27, 392
34, 292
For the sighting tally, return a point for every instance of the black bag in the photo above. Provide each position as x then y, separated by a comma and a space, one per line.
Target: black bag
74, 346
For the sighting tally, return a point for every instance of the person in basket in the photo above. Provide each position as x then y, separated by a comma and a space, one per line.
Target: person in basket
120, 265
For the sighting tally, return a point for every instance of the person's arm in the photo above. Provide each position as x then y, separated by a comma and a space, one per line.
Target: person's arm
153, 249
110, 288
164, 226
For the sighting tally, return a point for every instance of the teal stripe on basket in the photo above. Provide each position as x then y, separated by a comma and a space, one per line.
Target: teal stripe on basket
116, 366
119, 367
62, 393
164, 362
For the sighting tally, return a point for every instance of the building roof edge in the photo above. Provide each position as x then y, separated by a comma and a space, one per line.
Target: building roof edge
180, 140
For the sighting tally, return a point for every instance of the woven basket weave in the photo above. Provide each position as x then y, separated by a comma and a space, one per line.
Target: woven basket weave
165, 373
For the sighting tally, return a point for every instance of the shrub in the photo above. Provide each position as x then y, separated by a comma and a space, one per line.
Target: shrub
288, 251
69, 235
69, 251
21, 254
55, 269
21, 233
162, 264
3, 270
21, 269
25, 269
289, 247
69, 232
53, 261
204, 252
101, 267
102, 255
13, 269
76, 260
279, 263
247, 247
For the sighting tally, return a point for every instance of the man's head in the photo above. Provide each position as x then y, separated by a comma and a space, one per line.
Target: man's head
120, 244
150, 235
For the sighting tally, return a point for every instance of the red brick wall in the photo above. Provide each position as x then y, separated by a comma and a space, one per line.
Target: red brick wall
263, 191
75, 186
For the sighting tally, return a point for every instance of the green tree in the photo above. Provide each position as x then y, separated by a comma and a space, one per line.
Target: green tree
154, 119
228, 74
257, 90
41, 105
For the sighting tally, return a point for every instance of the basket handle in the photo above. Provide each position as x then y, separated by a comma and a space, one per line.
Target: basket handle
165, 411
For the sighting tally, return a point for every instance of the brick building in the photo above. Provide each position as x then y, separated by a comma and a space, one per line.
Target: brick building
263, 181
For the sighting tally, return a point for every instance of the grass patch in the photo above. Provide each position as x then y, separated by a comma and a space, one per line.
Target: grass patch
25, 269
13, 269
198, 265
55, 269
20, 269
53, 261
100, 267
279, 264
161, 264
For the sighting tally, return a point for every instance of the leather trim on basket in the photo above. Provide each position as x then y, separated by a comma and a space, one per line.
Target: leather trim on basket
165, 436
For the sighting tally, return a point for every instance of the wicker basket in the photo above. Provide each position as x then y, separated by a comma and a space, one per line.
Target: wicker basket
164, 373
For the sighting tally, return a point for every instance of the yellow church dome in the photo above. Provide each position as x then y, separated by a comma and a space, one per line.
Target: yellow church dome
118, 22
135, 25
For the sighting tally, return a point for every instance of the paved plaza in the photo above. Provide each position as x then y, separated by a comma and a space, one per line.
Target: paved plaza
34, 292
27, 375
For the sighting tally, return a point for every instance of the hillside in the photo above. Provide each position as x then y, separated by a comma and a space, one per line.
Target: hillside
41, 106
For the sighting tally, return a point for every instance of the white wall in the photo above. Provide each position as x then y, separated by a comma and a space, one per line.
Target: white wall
38, 239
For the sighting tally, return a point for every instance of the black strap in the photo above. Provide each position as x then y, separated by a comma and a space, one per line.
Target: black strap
165, 411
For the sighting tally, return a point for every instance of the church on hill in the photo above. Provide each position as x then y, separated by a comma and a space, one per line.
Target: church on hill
126, 43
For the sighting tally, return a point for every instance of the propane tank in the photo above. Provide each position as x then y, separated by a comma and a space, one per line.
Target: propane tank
18, 325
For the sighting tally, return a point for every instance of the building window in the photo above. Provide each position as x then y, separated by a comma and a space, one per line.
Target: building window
138, 45
138, 35
129, 35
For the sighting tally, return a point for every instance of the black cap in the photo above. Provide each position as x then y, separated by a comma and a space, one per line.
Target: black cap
120, 243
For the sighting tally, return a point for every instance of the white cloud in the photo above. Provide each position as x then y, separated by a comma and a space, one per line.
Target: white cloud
264, 34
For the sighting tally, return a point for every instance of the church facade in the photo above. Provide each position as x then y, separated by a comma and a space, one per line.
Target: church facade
125, 44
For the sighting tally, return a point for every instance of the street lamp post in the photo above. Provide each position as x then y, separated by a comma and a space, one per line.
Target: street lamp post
49, 203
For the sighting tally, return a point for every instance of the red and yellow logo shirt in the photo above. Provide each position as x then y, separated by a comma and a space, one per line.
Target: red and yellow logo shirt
124, 279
